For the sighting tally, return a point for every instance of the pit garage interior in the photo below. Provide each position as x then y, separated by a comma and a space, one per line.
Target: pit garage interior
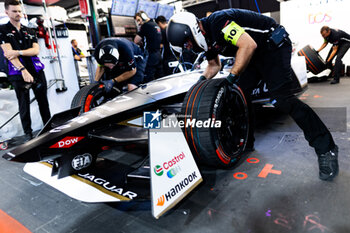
274, 189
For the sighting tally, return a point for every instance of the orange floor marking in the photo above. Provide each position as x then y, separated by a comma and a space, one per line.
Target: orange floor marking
268, 169
253, 160
11, 225
317, 96
240, 175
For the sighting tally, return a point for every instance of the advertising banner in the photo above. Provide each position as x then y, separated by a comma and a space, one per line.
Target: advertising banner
174, 172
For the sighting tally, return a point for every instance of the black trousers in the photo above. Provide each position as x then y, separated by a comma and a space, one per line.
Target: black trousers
342, 49
40, 92
154, 67
273, 66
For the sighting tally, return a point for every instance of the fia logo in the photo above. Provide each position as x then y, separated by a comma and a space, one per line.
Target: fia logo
151, 120
81, 161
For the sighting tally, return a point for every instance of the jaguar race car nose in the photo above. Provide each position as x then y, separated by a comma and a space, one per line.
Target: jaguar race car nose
27, 152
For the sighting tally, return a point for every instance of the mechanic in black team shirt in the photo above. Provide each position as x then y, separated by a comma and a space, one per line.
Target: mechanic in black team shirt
262, 47
167, 55
25, 70
341, 44
151, 36
121, 61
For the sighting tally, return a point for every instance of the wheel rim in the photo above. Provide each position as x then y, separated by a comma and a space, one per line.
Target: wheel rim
232, 136
94, 99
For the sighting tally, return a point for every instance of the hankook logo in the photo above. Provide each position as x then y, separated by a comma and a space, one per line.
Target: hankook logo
178, 188
161, 201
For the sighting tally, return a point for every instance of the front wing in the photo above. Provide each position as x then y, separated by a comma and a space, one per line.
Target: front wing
170, 174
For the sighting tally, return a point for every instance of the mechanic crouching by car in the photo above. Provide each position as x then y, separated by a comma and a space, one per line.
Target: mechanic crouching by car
121, 61
341, 44
25, 70
262, 50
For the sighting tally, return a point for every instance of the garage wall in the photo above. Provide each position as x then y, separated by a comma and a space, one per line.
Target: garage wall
264, 6
59, 101
303, 20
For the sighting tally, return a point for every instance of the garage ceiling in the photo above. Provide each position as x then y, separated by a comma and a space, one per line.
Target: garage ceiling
265, 5
66, 4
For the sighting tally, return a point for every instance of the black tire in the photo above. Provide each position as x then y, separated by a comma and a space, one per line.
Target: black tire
314, 61
215, 99
89, 97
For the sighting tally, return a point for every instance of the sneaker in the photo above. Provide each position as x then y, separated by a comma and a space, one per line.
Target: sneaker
328, 164
334, 81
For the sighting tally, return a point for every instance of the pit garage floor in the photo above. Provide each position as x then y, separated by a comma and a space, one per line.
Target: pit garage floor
274, 189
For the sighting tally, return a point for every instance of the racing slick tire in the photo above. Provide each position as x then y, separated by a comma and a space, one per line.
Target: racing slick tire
92, 96
88, 97
314, 61
216, 100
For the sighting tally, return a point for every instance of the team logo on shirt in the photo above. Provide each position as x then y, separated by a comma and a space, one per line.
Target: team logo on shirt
131, 62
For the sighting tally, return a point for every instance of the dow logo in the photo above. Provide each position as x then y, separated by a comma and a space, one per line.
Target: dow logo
158, 170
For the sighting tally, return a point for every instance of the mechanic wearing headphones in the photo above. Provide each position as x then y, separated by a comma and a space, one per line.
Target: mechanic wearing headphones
122, 61
260, 46
151, 36
25, 71
341, 44
167, 55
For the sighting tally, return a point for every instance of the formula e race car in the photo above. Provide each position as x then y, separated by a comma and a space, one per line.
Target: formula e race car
115, 150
